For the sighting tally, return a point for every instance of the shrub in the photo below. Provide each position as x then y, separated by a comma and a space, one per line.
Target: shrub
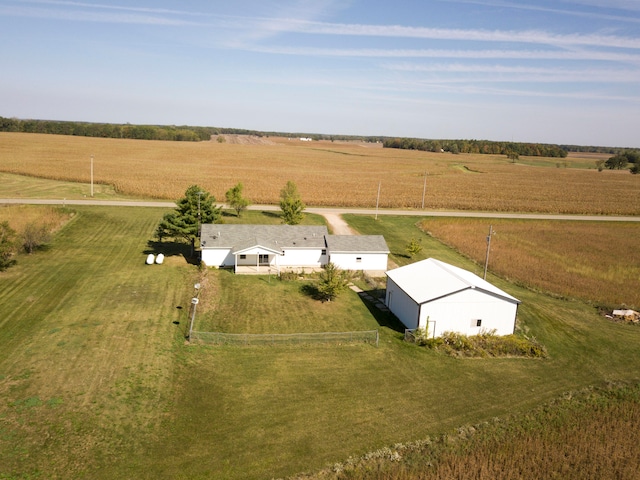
485, 344
288, 276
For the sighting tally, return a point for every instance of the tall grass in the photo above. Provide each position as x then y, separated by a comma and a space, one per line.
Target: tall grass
589, 434
19, 216
326, 173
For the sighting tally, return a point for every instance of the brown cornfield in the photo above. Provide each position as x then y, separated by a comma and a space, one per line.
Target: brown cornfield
595, 261
327, 173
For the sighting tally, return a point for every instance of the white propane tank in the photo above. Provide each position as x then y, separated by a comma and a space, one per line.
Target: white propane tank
160, 258
150, 259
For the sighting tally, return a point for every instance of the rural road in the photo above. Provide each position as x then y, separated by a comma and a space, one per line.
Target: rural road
335, 212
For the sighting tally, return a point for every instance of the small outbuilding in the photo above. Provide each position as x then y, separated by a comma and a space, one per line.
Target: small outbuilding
439, 297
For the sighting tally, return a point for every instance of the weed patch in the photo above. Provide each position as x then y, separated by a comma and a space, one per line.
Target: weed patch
486, 344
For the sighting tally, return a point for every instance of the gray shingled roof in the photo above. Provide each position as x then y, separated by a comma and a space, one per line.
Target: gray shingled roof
357, 243
273, 237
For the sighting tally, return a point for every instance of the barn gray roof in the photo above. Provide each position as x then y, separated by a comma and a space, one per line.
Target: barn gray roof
357, 243
276, 237
273, 237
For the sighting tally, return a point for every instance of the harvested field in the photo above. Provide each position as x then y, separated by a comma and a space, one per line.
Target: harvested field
327, 173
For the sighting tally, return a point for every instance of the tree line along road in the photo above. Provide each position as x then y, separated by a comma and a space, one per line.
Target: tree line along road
338, 211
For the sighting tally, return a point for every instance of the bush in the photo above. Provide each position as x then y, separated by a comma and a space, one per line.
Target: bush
486, 344
288, 276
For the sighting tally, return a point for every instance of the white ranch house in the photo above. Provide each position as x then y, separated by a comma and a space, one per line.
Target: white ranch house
275, 248
439, 297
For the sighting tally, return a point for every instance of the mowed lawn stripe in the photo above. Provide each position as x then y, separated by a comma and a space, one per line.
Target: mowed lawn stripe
96, 343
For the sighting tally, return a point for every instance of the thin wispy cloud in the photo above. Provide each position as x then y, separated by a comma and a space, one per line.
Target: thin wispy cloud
517, 74
563, 11
81, 15
99, 6
450, 53
514, 36
263, 27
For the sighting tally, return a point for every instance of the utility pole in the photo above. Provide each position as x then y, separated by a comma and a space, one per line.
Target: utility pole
424, 189
199, 193
92, 175
194, 302
378, 199
486, 260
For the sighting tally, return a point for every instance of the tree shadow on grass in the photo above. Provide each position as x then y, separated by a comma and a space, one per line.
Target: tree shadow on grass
172, 249
311, 290
271, 214
226, 213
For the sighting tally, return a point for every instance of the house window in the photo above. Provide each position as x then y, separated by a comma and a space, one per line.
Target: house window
476, 322
324, 251
243, 257
358, 259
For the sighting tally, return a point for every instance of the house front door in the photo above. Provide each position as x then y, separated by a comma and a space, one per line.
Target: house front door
263, 259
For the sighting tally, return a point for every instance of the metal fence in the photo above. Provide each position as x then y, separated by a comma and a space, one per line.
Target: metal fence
409, 335
277, 339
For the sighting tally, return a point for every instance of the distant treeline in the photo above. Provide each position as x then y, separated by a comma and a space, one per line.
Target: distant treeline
149, 132
477, 146
197, 134
107, 130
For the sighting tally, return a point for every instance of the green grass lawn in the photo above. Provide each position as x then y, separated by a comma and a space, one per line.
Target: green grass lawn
265, 304
20, 186
97, 382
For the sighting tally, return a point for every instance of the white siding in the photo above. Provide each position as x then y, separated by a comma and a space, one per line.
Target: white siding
401, 305
458, 313
217, 257
368, 261
311, 258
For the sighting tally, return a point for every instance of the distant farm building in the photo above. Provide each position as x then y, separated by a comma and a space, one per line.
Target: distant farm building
439, 297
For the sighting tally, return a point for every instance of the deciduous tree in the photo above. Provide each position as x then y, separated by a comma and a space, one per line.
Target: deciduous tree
235, 199
617, 162
7, 245
34, 236
291, 204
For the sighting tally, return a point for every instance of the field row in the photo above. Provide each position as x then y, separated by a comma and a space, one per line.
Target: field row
336, 174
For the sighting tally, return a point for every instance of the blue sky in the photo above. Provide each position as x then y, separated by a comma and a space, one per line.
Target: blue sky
529, 71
